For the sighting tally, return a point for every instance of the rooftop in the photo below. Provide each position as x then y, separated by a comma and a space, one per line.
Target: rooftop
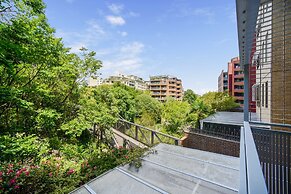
231, 118
171, 169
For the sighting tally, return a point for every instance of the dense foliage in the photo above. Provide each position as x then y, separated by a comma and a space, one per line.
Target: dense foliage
47, 111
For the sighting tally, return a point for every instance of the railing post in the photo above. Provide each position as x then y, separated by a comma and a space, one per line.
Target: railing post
252, 178
152, 137
136, 132
246, 92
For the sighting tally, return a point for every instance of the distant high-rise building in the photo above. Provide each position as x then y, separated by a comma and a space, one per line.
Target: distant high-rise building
236, 81
164, 86
232, 81
223, 82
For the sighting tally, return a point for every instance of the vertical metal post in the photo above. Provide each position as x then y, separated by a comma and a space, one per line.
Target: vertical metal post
152, 137
246, 92
136, 132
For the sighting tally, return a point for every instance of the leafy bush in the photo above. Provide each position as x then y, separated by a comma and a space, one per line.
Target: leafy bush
21, 147
60, 175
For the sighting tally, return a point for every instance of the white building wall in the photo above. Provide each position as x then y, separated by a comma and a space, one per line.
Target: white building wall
262, 61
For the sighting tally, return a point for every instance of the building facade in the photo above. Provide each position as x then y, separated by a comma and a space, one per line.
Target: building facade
92, 82
236, 81
165, 86
273, 73
267, 39
129, 80
223, 82
232, 81
261, 61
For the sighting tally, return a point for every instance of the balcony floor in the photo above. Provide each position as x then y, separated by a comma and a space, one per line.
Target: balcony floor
171, 169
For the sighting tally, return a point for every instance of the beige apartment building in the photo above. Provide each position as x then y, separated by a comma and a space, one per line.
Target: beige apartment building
164, 86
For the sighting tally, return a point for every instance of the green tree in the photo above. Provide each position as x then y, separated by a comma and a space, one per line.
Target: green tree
149, 110
40, 81
219, 101
174, 115
190, 96
199, 111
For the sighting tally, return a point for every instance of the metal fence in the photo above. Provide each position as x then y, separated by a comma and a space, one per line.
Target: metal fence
145, 135
225, 131
273, 148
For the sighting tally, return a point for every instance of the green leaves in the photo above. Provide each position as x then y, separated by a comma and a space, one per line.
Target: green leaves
175, 114
219, 101
19, 147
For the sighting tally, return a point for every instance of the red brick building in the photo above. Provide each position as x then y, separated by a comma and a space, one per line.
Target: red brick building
235, 82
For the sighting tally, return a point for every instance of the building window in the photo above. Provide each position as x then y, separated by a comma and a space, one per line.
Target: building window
258, 95
266, 90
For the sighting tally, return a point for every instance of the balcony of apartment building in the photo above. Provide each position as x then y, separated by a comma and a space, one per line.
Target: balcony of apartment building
158, 93
237, 67
238, 89
172, 84
155, 88
172, 88
239, 81
238, 74
155, 82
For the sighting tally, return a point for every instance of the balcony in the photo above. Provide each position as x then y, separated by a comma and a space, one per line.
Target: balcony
239, 90
239, 83
239, 97
239, 76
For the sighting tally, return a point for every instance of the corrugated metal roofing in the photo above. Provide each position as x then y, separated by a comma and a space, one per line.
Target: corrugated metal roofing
171, 169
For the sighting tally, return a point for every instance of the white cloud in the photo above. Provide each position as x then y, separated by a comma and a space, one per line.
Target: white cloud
133, 48
88, 37
116, 8
115, 20
201, 12
127, 59
133, 14
94, 26
123, 33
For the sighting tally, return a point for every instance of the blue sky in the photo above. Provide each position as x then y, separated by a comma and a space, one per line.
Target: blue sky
190, 39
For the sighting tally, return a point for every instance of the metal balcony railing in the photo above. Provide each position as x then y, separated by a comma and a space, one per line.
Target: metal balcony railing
251, 176
145, 135
272, 145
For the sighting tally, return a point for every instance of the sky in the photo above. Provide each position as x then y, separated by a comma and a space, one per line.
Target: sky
190, 39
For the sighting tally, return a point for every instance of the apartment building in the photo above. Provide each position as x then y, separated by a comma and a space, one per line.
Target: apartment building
236, 81
92, 82
164, 86
232, 81
223, 82
129, 80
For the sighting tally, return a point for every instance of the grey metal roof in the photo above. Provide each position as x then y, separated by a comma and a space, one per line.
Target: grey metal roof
171, 169
232, 118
